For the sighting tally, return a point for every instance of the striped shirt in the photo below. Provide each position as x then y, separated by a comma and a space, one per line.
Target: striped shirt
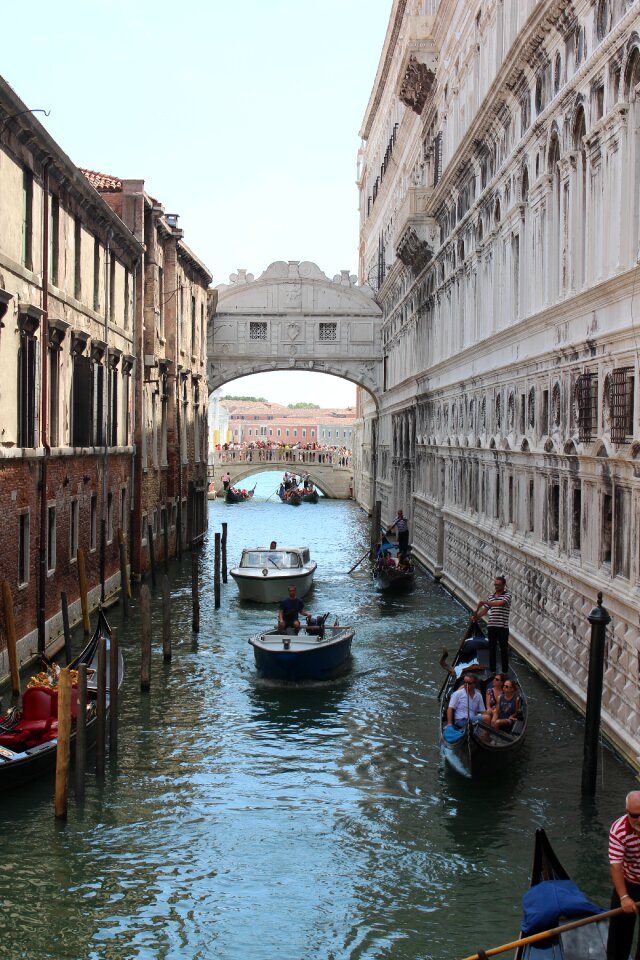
624, 848
401, 524
499, 616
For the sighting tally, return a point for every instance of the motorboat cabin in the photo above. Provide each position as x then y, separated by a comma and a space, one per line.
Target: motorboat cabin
264, 574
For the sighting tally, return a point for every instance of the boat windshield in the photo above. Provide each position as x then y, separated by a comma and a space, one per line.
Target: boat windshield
270, 558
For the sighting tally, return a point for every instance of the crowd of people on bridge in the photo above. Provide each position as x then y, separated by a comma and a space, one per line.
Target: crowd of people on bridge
266, 450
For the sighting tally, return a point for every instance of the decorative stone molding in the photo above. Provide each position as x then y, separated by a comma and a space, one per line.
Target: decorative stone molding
418, 68
114, 355
417, 84
29, 317
413, 251
57, 331
79, 339
5, 297
98, 348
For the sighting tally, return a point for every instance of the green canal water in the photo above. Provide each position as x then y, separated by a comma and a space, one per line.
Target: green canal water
242, 820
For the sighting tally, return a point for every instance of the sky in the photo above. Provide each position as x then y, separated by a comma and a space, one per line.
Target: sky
242, 118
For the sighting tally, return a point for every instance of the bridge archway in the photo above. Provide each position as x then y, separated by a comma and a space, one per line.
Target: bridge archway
334, 481
293, 317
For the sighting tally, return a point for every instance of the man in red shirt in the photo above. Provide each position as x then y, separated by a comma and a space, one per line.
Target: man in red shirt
624, 859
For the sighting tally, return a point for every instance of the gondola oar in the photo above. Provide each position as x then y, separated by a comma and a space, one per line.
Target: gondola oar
466, 636
271, 495
365, 554
545, 934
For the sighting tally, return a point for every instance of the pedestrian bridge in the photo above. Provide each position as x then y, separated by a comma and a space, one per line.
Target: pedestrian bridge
293, 317
330, 471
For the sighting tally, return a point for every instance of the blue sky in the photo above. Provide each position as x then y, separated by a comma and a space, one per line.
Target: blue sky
241, 117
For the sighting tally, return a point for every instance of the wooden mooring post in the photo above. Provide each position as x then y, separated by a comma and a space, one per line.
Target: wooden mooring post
216, 573
166, 619
376, 522
598, 618
84, 598
10, 628
223, 544
81, 731
101, 706
113, 692
65, 627
195, 592
63, 749
152, 555
124, 585
145, 639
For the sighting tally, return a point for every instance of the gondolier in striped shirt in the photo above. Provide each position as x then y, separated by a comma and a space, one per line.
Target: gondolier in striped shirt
624, 861
498, 608
402, 526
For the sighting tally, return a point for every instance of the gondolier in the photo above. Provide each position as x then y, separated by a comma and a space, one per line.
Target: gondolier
402, 526
498, 608
624, 862
226, 480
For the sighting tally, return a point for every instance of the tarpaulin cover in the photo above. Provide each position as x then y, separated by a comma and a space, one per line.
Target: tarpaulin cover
545, 903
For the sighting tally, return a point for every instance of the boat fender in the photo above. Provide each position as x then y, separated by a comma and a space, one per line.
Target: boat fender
265, 572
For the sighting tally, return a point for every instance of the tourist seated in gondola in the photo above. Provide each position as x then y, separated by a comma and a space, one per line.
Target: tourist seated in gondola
508, 707
404, 564
494, 691
465, 704
289, 612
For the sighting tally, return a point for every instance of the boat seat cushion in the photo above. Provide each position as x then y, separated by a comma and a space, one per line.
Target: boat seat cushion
38, 703
544, 904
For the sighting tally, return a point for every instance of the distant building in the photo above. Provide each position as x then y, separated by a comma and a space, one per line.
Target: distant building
255, 421
171, 389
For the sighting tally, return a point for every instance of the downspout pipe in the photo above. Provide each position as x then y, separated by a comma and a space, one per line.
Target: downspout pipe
134, 409
106, 415
44, 411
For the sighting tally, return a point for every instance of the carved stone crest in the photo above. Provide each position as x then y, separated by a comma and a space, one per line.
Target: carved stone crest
293, 331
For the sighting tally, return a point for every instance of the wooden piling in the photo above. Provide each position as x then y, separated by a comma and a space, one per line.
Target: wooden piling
216, 573
81, 730
124, 595
166, 618
376, 523
64, 744
10, 629
113, 692
165, 534
101, 706
84, 598
195, 594
152, 555
145, 640
123, 555
223, 544
65, 626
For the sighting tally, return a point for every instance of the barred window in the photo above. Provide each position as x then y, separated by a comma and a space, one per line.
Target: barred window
622, 384
257, 330
587, 401
328, 332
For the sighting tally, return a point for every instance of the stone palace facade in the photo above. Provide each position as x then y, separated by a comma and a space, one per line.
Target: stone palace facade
500, 209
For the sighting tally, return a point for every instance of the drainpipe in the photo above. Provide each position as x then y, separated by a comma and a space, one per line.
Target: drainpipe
178, 428
42, 545
106, 416
134, 407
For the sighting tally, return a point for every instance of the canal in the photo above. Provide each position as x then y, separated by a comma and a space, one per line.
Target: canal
242, 820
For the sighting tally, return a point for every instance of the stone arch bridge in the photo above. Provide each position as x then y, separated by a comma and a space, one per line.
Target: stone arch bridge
293, 317
331, 473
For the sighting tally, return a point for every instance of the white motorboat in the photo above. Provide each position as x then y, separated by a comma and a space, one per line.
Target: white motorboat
264, 573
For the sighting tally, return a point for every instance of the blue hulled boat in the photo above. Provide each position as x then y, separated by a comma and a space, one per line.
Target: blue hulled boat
318, 652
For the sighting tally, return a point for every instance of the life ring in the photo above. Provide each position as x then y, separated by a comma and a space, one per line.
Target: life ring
265, 572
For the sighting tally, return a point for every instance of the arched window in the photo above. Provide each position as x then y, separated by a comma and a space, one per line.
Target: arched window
603, 19
631, 82
524, 186
552, 270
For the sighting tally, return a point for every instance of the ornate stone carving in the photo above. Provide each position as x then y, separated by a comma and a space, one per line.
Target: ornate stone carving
412, 251
416, 84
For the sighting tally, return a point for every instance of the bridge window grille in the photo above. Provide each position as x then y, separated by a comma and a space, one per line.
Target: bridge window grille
587, 397
328, 332
622, 383
257, 330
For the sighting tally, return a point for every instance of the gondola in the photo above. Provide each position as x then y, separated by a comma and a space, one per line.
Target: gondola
292, 497
231, 495
318, 652
478, 749
583, 943
28, 742
387, 575
310, 496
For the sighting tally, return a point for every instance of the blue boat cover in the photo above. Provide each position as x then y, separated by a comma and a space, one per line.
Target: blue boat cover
453, 734
544, 904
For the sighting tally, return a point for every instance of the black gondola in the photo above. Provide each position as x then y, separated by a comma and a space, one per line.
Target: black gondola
388, 574
583, 943
310, 496
28, 743
478, 749
232, 495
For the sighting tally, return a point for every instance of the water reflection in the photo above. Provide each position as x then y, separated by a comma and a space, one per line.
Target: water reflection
243, 819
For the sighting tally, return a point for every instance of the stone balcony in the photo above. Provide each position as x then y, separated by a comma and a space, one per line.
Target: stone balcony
416, 231
417, 74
